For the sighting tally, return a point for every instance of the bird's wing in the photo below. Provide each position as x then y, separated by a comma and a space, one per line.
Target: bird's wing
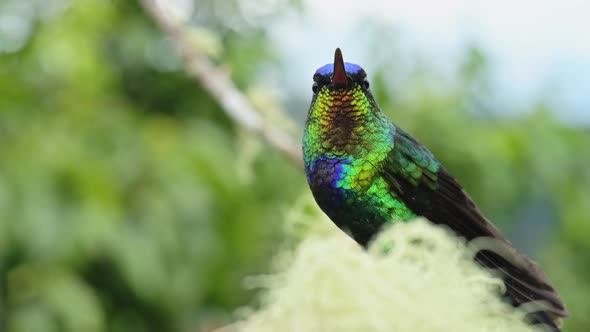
430, 191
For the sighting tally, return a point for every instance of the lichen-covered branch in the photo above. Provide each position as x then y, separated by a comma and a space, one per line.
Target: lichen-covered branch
427, 281
220, 86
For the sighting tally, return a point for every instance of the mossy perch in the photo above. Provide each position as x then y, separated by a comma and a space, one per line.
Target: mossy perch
416, 277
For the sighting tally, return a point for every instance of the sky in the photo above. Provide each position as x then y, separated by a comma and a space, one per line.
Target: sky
536, 47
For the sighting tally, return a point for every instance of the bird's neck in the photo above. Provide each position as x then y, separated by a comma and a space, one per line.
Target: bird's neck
347, 131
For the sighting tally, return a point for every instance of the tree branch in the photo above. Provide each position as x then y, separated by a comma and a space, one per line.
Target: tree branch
217, 83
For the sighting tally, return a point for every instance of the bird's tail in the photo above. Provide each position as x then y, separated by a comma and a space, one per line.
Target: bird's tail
527, 286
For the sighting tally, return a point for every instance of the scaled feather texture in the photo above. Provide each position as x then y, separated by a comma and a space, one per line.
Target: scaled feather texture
416, 277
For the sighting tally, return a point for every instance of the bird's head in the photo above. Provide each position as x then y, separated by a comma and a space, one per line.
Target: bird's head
339, 76
343, 119
340, 89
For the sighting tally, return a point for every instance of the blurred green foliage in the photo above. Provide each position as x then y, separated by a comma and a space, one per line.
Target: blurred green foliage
130, 202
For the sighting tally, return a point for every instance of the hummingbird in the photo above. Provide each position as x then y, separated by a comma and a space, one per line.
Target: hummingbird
365, 172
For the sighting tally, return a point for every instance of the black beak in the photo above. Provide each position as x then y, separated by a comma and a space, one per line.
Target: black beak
339, 79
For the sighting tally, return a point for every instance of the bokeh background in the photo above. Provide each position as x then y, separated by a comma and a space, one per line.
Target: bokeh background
130, 201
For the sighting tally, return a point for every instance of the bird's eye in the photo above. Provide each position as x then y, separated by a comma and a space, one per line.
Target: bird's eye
366, 83
315, 87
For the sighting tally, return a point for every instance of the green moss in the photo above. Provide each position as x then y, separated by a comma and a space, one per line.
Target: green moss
426, 282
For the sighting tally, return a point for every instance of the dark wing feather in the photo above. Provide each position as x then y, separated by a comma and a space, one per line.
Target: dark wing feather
433, 193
